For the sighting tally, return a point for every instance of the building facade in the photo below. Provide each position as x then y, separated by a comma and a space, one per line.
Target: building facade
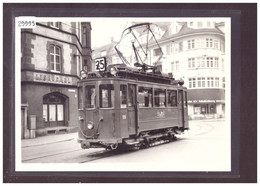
52, 56
195, 52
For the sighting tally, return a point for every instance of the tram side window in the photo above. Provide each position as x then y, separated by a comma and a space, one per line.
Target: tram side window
144, 97
172, 98
80, 97
123, 94
90, 98
107, 96
159, 98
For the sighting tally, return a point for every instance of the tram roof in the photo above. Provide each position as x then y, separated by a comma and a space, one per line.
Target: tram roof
128, 73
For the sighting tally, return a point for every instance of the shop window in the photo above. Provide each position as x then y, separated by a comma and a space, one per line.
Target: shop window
60, 114
52, 113
159, 98
54, 109
45, 112
172, 98
197, 109
144, 97
123, 93
55, 58
106, 95
90, 96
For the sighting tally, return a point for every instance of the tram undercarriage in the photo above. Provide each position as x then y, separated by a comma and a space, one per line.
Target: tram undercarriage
143, 140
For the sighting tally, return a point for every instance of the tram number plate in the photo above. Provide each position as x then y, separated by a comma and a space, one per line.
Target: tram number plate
101, 64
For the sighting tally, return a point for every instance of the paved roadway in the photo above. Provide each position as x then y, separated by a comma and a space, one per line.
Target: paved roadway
204, 147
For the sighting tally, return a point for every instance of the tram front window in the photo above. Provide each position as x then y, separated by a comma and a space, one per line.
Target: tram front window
107, 96
159, 98
90, 94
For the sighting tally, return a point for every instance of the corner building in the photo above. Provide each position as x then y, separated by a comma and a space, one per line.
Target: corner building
52, 56
195, 52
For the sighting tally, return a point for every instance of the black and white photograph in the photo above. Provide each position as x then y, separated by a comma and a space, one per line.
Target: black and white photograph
122, 93
146, 94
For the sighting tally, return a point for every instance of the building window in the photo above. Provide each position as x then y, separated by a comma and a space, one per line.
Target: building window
210, 81
84, 36
222, 64
203, 82
175, 65
223, 82
191, 44
209, 43
208, 24
180, 46
200, 24
157, 52
53, 109
55, 58
199, 82
191, 63
168, 49
216, 82
191, 23
216, 44
192, 82
55, 24
209, 62
216, 62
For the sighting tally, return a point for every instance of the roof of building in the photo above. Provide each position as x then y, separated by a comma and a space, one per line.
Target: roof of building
109, 48
185, 30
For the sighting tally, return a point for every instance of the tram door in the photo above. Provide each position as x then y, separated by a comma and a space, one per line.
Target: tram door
132, 109
181, 106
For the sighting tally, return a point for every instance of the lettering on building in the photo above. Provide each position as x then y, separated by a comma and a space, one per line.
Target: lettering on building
52, 78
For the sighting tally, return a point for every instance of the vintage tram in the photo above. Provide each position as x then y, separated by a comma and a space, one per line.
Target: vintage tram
124, 107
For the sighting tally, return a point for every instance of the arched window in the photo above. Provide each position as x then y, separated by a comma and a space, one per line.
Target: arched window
55, 58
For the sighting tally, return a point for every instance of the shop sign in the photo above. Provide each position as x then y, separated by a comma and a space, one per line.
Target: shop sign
52, 78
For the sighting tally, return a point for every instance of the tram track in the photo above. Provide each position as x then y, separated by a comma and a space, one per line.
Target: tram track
83, 156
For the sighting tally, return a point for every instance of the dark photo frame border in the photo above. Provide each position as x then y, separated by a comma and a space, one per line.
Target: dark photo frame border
243, 89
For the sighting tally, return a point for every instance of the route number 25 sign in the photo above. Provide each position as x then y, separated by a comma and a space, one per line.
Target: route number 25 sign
100, 64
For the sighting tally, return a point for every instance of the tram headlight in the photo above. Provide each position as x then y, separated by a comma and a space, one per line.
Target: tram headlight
113, 71
83, 74
90, 125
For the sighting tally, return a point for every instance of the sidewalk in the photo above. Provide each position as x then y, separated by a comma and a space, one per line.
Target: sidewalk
42, 140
